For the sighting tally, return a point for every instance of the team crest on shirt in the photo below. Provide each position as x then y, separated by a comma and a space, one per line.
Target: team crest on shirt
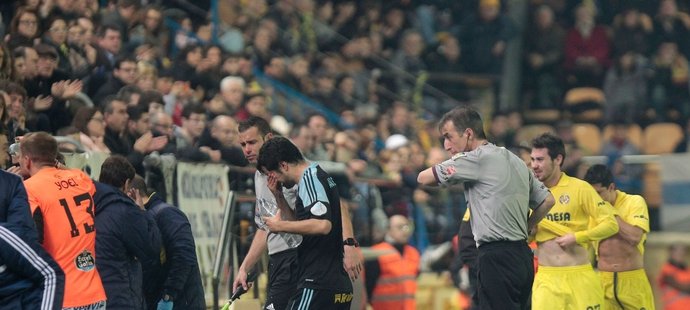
318, 209
564, 199
450, 170
85, 261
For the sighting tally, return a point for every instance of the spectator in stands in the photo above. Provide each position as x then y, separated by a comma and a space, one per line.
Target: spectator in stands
137, 122
193, 124
625, 87
152, 101
631, 32
230, 98
174, 281
91, 125
391, 279
487, 33
130, 94
587, 49
124, 73
82, 56
318, 125
221, 142
128, 238
109, 38
23, 28
498, 130
325, 92
55, 35
25, 59
668, 85
302, 137
674, 279
123, 15
543, 57
408, 60
116, 118
447, 59
672, 25
162, 126
6, 64
150, 29
626, 176
16, 113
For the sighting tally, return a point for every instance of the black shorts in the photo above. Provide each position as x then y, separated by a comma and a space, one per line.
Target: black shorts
505, 275
282, 279
307, 299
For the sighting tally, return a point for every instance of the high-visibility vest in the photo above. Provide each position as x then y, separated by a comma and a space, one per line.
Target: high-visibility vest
397, 283
672, 298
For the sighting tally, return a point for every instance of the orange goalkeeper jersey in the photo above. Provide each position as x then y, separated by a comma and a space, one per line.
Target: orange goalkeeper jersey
62, 204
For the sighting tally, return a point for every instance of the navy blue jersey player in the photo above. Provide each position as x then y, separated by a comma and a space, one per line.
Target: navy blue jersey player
322, 280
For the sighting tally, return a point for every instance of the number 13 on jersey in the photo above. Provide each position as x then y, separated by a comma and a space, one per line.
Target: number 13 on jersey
80, 201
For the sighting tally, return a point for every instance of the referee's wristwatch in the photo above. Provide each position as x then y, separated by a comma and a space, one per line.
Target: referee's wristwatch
351, 242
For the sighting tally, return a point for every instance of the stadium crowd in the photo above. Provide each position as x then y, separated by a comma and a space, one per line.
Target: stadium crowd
357, 82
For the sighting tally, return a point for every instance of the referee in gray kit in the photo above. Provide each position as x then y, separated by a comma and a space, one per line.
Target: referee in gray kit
501, 190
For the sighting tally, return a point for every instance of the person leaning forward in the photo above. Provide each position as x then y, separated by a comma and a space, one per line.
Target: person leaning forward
501, 190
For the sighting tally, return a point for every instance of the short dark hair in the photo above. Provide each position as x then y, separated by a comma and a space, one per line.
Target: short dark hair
464, 118
40, 147
127, 91
116, 170
599, 174
149, 96
135, 112
190, 109
82, 117
105, 27
254, 121
552, 143
122, 59
108, 103
275, 151
138, 183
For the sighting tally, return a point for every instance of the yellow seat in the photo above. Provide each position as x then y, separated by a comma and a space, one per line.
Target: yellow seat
634, 134
661, 138
585, 104
529, 132
587, 136
541, 116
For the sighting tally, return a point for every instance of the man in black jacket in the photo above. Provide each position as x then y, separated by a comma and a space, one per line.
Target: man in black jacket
128, 238
176, 281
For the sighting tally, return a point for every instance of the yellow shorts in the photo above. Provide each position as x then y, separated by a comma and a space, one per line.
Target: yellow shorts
627, 290
566, 288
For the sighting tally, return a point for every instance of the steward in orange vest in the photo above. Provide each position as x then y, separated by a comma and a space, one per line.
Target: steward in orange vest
392, 279
674, 280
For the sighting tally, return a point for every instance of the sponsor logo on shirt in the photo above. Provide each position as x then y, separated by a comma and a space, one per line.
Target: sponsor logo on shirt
342, 298
564, 199
558, 216
85, 261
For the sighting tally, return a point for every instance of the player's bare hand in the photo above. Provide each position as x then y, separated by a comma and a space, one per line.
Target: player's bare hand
240, 279
566, 241
352, 262
273, 222
274, 185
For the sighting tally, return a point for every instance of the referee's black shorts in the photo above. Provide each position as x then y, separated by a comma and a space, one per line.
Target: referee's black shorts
282, 279
317, 299
505, 275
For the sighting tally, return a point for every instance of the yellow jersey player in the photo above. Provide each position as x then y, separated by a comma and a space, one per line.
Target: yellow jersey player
620, 260
566, 279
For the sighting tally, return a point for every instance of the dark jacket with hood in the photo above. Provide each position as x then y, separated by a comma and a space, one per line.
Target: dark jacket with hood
178, 273
127, 239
